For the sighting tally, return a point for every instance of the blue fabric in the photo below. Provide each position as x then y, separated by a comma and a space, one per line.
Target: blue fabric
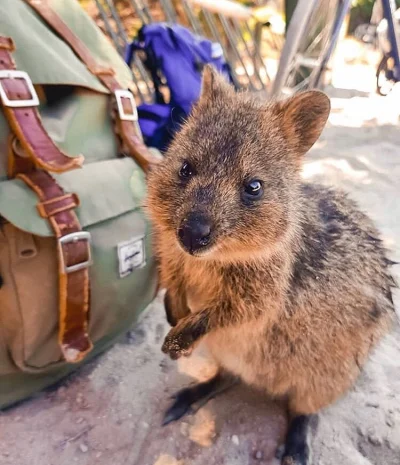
181, 55
173, 53
158, 123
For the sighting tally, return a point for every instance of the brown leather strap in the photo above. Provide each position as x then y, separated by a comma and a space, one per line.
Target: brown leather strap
19, 101
125, 114
31, 148
73, 246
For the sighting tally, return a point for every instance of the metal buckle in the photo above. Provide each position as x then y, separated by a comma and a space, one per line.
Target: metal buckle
75, 237
119, 95
14, 74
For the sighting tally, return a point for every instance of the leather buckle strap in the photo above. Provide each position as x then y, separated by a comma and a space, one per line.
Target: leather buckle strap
125, 121
57, 205
122, 96
6, 43
19, 101
74, 238
32, 101
74, 258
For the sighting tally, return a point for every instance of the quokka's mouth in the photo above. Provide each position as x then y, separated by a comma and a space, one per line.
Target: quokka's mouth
195, 233
203, 249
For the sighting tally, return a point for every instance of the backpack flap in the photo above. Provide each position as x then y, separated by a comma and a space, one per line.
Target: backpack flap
58, 64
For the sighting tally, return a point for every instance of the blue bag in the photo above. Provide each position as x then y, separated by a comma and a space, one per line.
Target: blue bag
174, 57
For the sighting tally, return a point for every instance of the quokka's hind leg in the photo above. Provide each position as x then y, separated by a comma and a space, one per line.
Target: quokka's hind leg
297, 446
190, 399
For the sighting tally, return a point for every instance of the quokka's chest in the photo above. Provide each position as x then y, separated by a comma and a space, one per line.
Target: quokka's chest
203, 289
240, 349
198, 299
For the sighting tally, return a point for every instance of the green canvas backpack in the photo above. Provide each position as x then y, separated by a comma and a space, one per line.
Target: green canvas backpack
76, 266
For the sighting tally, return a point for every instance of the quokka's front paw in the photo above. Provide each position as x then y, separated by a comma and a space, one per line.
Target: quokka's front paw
178, 343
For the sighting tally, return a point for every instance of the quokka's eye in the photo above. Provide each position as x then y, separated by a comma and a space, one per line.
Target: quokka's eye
253, 190
186, 171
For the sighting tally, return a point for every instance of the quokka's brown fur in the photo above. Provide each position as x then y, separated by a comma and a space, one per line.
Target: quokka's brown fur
294, 290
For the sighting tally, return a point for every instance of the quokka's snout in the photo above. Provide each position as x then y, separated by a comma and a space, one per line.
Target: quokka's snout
195, 232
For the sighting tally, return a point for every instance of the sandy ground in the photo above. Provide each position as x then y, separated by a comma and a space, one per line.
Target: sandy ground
110, 411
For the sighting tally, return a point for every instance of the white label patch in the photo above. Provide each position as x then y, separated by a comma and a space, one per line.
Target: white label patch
131, 255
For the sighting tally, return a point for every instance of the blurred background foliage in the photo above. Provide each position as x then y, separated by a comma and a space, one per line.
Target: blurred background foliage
361, 10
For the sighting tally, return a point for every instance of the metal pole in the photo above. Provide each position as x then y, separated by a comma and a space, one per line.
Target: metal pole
231, 39
257, 51
142, 10
239, 35
124, 37
109, 29
139, 65
290, 6
117, 19
169, 11
196, 25
217, 37
388, 10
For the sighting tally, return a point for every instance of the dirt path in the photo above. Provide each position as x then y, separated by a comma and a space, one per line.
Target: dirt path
110, 413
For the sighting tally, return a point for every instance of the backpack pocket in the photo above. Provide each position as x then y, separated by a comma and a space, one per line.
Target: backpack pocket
122, 277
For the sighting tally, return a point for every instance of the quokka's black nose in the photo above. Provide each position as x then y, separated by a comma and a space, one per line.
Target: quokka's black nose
195, 232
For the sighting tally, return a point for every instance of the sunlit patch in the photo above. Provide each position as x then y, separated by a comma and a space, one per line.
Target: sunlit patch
203, 430
342, 166
166, 459
200, 365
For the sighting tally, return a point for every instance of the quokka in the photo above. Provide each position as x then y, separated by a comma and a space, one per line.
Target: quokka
286, 283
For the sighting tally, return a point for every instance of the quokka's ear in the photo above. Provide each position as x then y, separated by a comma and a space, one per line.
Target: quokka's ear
303, 117
213, 85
